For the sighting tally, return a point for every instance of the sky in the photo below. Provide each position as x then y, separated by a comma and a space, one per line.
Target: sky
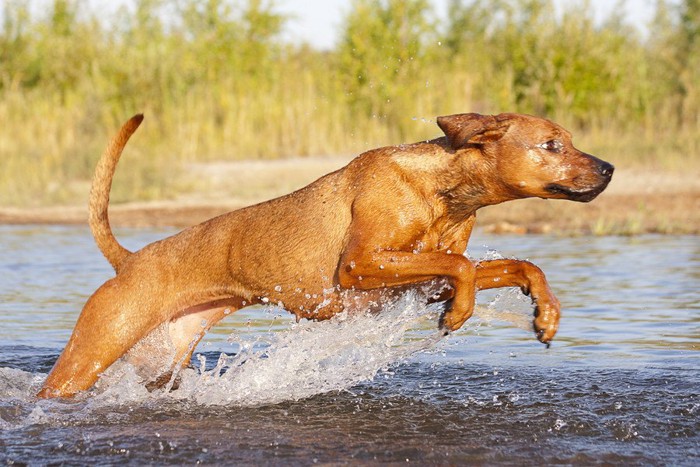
317, 21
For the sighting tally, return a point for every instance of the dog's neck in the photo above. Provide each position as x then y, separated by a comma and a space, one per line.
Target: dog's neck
465, 186
462, 201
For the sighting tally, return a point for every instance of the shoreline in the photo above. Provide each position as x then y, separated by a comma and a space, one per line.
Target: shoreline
639, 200
669, 213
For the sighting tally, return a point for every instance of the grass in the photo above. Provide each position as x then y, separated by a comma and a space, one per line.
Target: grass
217, 83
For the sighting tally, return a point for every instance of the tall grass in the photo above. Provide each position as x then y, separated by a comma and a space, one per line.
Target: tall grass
216, 81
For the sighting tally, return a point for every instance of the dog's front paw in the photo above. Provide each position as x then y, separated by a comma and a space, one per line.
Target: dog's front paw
546, 322
445, 308
445, 323
455, 317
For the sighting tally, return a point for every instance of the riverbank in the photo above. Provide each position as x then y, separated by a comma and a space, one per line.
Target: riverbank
638, 200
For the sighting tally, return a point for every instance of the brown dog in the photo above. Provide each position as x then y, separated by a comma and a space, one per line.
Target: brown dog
393, 218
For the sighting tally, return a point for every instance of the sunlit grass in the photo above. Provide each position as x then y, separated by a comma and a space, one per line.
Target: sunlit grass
217, 83
48, 152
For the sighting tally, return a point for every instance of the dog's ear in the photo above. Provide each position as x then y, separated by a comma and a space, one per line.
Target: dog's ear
464, 129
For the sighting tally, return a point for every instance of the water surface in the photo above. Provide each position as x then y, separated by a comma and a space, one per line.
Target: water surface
620, 384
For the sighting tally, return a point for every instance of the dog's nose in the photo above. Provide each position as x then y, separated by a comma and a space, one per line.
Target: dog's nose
606, 169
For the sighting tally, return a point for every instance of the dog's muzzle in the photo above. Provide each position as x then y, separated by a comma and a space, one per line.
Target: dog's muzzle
605, 173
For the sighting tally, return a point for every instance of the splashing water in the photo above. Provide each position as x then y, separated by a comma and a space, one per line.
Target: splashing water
307, 359
509, 305
314, 358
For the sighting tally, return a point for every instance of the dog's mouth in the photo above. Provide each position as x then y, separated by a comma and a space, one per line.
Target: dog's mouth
580, 195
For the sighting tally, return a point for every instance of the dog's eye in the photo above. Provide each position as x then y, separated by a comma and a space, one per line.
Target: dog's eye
553, 145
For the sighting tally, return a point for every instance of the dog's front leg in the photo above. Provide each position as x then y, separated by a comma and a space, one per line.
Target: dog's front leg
395, 268
531, 280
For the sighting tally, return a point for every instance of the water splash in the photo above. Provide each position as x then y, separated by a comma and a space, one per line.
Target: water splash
509, 305
309, 358
322, 357
304, 360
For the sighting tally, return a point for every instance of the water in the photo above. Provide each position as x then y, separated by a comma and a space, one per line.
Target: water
620, 384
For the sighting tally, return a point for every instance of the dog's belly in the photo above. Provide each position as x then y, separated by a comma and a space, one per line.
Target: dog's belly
320, 307
362, 301
316, 303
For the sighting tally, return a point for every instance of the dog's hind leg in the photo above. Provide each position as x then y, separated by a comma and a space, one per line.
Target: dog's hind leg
159, 357
186, 331
111, 322
117, 317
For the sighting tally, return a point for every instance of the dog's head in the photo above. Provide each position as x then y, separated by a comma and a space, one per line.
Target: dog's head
527, 156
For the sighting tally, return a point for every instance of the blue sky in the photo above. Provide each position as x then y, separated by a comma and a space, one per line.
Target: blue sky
318, 21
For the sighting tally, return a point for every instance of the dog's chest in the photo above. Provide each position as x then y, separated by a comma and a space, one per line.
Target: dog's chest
446, 236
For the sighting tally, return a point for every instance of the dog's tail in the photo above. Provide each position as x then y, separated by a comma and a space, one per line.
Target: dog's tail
99, 195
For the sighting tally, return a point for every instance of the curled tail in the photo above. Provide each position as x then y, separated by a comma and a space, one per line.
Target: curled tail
99, 195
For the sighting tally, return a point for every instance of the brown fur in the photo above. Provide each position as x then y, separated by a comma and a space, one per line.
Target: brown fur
394, 217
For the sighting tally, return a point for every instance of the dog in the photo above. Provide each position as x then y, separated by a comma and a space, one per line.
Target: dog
393, 218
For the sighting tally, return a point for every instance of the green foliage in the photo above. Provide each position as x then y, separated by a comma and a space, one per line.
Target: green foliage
217, 81
380, 56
